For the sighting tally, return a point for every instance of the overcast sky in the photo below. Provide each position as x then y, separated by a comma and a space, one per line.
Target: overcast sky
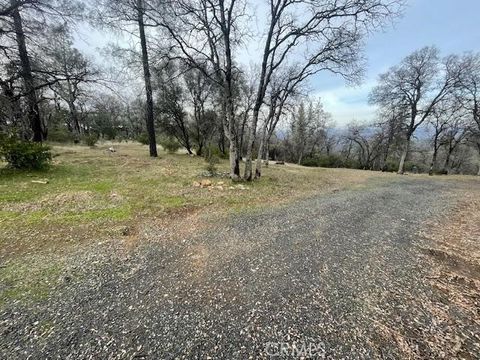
451, 25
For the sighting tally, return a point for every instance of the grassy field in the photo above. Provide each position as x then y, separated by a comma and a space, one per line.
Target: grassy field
91, 196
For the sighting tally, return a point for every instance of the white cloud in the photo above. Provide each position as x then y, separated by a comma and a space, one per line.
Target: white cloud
348, 103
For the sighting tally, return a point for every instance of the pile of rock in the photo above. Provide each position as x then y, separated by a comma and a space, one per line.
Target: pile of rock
220, 185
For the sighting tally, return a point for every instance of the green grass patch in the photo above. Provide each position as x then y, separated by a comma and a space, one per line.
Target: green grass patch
113, 214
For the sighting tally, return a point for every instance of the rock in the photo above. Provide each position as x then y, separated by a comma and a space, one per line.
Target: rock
196, 184
205, 183
40, 181
126, 231
221, 183
219, 187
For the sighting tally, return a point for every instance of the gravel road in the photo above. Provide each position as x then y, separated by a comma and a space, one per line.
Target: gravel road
334, 276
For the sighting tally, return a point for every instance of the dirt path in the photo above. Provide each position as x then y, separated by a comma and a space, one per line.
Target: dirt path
338, 276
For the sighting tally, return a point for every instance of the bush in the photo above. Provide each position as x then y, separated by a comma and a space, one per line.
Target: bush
415, 168
90, 140
213, 150
390, 166
143, 139
60, 135
212, 161
25, 155
170, 144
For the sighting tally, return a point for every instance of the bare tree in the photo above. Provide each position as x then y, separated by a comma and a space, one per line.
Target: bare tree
454, 135
204, 34
132, 16
283, 87
328, 36
66, 70
470, 94
419, 83
391, 125
199, 89
444, 116
33, 111
368, 144
17, 19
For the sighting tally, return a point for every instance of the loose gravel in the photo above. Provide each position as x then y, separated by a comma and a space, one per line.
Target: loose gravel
333, 276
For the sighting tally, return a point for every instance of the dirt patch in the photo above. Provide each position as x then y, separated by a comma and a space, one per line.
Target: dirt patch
452, 251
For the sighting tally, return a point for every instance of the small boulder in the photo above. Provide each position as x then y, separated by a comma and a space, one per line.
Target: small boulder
205, 183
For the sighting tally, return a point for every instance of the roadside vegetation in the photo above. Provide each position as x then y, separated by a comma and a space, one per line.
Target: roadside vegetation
92, 195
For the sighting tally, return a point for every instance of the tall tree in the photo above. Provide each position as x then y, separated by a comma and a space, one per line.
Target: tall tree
149, 118
443, 117
204, 34
67, 70
125, 15
19, 18
33, 111
199, 89
469, 92
327, 36
418, 83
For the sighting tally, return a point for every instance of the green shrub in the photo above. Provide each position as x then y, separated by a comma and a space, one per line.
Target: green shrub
90, 140
390, 166
170, 144
143, 139
414, 167
60, 135
25, 155
212, 161
213, 150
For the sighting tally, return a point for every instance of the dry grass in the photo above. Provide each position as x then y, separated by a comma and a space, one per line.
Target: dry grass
455, 252
93, 194
452, 249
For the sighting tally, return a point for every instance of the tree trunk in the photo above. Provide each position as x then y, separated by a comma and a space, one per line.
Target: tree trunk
433, 162
148, 84
478, 146
250, 141
446, 166
267, 151
231, 135
434, 156
33, 112
258, 165
74, 120
300, 158
401, 166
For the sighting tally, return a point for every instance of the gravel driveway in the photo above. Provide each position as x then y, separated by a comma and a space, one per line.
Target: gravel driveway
335, 276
